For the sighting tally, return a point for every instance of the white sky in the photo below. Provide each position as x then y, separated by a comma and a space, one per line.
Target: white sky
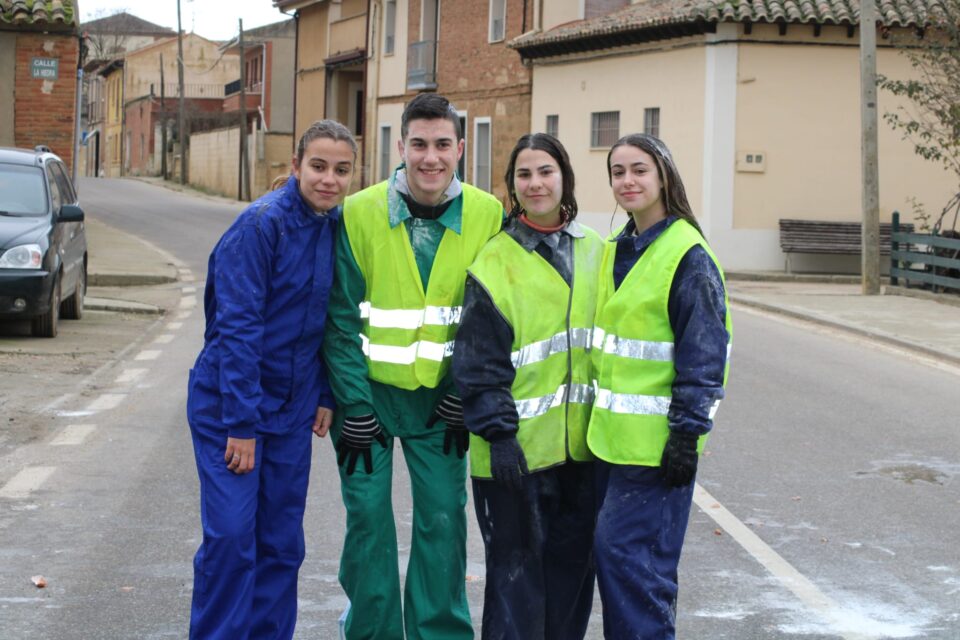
213, 19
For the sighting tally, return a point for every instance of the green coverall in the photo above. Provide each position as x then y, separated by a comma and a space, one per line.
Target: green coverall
434, 603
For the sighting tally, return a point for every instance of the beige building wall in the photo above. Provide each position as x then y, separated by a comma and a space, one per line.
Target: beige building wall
576, 89
214, 159
282, 76
311, 80
201, 77
393, 68
552, 13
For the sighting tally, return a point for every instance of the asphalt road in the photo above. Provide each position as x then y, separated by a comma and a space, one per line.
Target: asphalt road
827, 509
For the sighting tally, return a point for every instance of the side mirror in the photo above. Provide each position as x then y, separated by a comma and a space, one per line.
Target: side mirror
70, 213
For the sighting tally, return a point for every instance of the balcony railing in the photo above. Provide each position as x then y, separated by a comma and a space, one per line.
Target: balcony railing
422, 65
232, 88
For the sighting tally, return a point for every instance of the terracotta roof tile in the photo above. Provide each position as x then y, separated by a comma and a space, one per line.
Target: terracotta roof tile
41, 13
653, 14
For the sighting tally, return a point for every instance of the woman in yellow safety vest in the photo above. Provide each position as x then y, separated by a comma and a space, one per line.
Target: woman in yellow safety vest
522, 365
660, 348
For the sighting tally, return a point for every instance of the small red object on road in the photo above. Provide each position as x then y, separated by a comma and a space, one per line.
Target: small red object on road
39, 582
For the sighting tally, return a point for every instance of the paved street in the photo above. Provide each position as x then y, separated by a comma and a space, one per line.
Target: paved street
828, 501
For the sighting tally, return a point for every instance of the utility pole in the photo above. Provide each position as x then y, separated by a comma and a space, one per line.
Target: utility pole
870, 248
163, 123
243, 179
181, 117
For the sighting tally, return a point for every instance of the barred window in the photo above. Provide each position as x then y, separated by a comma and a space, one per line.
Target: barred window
384, 152
498, 15
604, 128
553, 125
389, 27
651, 121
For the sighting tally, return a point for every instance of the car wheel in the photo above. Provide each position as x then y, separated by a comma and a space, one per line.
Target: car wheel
73, 306
45, 326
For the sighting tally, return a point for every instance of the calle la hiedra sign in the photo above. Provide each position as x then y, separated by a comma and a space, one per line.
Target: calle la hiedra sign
45, 68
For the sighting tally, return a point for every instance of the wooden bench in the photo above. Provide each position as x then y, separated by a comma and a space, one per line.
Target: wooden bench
837, 238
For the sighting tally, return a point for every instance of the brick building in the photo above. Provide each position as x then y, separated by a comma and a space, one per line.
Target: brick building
39, 57
458, 48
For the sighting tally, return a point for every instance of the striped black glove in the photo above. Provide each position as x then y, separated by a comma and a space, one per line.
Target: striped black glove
450, 411
356, 436
679, 462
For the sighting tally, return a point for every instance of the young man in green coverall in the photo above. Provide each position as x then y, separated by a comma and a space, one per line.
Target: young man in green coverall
402, 252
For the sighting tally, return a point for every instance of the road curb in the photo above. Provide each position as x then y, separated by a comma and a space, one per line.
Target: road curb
127, 279
864, 333
121, 306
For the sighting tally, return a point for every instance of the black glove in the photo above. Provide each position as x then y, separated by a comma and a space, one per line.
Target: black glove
450, 410
355, 438
679, 462
507, 463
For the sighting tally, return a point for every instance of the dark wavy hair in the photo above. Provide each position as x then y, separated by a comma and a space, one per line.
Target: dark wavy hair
543, 142
673, 194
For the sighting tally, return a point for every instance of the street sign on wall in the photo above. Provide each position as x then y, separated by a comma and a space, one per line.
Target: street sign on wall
45, 68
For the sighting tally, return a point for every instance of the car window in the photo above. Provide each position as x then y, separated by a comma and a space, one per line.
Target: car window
63, 181
56, 200
21, 190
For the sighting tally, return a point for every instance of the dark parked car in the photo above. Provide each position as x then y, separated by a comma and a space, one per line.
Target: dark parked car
43, 247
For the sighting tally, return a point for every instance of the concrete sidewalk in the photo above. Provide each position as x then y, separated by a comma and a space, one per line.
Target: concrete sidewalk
914, 320
125, 270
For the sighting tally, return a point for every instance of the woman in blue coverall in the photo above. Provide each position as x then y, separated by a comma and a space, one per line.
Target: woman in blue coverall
257, 390
660, 347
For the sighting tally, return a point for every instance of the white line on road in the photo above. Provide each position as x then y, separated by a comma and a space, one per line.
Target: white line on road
106, 402
27, 480
189, 290
188, 302
797, 583
183, 315
73, 434
173, 326
128, 376
148, 354
165, 338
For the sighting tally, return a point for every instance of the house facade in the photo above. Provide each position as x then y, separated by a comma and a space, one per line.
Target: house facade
39, 59
206, 72
330, 70
759, 105
105, 39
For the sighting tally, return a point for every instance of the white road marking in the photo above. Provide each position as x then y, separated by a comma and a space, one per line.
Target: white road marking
106, 402
128, 376
165, 338
188, 302
148, 354
173, 326
26, 481
73, 414
189, 290
73, 434
183, 315
797, 583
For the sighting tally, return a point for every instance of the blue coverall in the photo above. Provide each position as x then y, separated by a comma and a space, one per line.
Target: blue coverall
260, 376
642, 520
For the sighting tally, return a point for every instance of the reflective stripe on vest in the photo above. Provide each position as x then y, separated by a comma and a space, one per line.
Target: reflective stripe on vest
630, 348
407, 332
552, 333
539, 351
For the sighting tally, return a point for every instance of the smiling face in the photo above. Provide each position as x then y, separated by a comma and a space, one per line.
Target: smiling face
431, 152
636, 182
325, 172
539, 186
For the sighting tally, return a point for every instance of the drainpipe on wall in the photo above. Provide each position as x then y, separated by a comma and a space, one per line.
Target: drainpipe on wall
77, 124
366, 94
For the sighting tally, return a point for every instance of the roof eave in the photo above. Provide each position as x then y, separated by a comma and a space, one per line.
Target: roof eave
599, 41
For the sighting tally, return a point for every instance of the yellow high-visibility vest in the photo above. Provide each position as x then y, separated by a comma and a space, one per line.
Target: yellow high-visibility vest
551, 340
633, 351
408, 333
